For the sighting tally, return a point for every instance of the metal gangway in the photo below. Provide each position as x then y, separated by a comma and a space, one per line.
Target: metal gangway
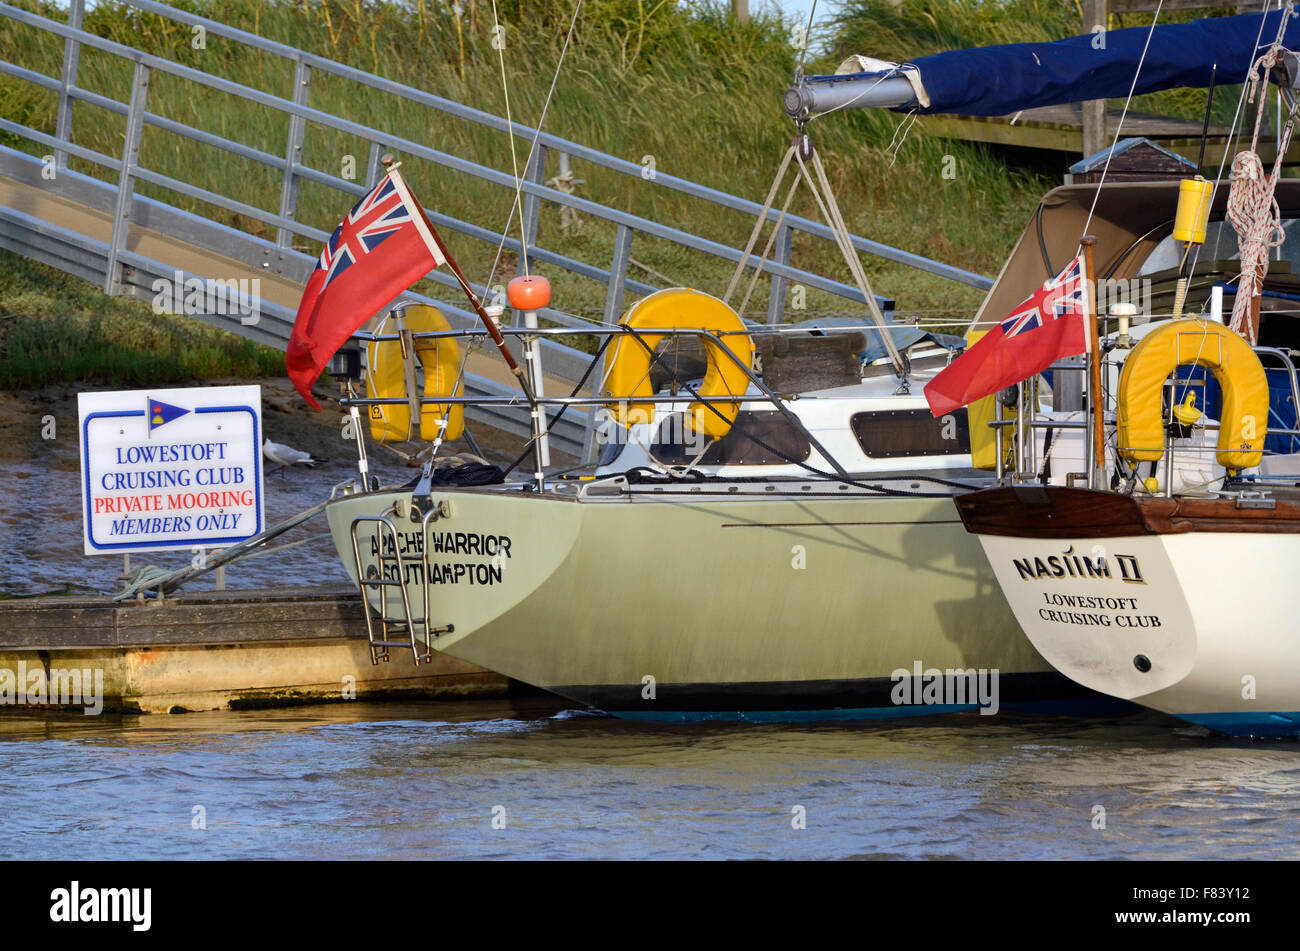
97, 225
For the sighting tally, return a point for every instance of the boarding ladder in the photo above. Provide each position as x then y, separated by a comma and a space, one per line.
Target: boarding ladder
383, 628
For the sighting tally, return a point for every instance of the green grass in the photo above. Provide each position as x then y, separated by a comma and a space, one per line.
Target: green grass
55, 327
682, 82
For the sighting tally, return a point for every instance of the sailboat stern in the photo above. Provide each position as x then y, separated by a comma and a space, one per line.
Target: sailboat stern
1099, 601
1182, 605
436, 569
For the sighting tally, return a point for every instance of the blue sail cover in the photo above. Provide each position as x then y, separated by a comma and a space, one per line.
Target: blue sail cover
997, 80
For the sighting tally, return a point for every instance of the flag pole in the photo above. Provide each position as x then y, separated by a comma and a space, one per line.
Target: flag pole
477, 304
1096, 478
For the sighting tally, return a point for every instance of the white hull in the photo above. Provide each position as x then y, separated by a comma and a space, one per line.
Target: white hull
1211, 612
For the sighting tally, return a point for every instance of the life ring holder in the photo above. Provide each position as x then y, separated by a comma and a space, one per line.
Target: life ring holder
627, 364
1140, 424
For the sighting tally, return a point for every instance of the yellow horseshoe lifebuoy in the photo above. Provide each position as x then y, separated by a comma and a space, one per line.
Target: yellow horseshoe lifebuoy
1224, 353
627, 365
386, 377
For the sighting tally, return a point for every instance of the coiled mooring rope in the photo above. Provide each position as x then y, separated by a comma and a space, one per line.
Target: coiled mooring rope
1252, 208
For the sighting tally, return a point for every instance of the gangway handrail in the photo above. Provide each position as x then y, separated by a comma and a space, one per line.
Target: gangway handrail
619, 218
550, 141
124, 269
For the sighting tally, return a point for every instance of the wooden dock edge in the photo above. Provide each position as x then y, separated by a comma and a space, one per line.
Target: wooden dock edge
213, 651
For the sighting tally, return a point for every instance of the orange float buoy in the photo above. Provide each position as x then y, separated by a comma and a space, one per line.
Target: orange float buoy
529, 292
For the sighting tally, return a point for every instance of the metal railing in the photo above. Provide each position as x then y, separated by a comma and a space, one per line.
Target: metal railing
712, 340
294, 170
123, 269
1025, 446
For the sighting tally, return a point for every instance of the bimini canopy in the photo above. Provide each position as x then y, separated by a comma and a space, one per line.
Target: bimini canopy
999, 80
1130, 220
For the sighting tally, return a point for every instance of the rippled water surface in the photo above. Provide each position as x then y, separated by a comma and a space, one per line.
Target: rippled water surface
428, 781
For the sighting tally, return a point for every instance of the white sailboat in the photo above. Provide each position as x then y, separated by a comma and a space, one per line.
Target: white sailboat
1163, 575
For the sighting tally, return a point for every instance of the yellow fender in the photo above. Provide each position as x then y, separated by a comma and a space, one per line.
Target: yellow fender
983, 438
1234, 364
386, 378
627, 364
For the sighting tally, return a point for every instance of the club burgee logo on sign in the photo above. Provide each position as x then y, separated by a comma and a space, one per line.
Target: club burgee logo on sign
178, 468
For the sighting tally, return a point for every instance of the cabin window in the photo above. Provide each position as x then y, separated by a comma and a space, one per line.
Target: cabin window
892, 434
757, 438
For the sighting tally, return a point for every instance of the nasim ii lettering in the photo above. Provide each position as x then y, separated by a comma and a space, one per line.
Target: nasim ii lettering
1068, 564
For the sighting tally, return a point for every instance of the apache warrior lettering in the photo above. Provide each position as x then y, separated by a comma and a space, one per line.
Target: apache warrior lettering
410, 549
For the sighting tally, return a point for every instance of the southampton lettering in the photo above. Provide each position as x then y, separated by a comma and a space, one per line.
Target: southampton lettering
408, 560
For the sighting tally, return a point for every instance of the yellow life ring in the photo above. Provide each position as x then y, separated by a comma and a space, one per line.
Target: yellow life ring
386, 378
1234, 364
627, 364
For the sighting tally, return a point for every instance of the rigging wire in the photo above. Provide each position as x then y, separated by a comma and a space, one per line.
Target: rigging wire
830, 476
1123, 113
517, 205
498, 34
1234, 134
807, 39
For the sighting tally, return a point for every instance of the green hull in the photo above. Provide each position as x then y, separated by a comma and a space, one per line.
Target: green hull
729, 601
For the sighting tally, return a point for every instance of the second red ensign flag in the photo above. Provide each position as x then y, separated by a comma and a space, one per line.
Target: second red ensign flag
1045, 328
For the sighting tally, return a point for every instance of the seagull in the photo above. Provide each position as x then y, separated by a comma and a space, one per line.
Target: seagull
286, 455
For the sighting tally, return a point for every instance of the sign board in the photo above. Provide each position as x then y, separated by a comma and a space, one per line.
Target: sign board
178, 468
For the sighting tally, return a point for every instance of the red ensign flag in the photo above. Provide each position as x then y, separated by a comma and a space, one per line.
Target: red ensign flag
351, 282
1045, 328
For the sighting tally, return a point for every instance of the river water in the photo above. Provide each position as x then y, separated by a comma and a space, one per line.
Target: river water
532, 779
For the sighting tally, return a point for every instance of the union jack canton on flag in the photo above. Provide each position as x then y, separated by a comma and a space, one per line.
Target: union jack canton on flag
351, 282
1046, 327
1063, 295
